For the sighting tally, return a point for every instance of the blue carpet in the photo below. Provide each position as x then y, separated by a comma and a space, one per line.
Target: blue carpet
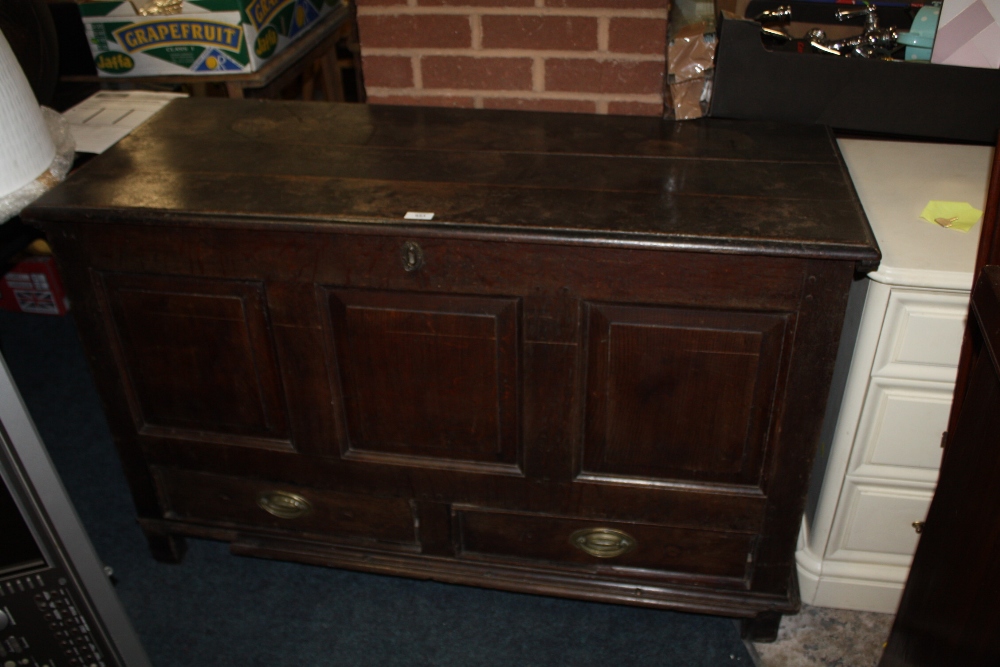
219, 610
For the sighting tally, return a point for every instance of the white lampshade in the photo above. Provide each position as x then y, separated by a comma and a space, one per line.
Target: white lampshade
26, 148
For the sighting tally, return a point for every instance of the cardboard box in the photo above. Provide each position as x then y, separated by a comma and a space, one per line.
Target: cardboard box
968, 34
33, 285
206, 37
909, 99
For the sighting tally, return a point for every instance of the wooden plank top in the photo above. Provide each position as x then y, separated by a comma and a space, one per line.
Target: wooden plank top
718, 185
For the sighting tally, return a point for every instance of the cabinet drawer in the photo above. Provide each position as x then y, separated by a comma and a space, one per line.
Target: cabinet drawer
922, 335
238, 502
581, 542
899, 435
877, 523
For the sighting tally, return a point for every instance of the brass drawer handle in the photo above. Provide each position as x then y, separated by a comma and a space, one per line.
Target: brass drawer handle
412, 255
283, 504
602, 542
918, 526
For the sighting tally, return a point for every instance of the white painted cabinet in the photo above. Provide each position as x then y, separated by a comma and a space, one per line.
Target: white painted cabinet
878, 466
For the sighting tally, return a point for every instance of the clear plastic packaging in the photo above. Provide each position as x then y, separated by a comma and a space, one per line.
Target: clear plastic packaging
58, 128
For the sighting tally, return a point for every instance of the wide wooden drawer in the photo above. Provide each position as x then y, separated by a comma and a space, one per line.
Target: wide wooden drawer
235, 502
485, 533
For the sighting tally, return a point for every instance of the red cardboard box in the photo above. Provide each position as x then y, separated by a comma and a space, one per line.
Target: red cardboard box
33, 286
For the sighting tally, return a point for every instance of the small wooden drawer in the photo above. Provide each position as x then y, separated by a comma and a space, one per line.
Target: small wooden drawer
922, 335
568, 540
230, 501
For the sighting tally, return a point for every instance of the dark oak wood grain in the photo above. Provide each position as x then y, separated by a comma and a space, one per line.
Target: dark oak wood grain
773, 187
615, 324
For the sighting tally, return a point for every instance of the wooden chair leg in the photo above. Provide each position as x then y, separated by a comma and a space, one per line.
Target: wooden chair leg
332, 77
354, 46
308, 82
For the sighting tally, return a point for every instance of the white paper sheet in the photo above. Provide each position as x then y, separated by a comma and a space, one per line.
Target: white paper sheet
104, 118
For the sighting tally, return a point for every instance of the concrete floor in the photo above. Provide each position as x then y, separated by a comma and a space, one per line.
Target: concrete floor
822, 637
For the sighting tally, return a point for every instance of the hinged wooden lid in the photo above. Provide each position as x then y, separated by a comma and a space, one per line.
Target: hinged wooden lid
710, 184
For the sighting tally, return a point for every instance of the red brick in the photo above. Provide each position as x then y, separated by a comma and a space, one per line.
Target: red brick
476, 73
378, 3
554, 33
635, 109
421, 31
574, 106
611, 4
423, 100
388, 71
628, 35
604, 76
476, 3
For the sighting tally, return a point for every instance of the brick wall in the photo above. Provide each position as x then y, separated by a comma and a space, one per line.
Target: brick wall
590, 56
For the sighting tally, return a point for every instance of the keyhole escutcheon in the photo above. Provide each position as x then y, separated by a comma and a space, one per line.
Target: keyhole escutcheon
413, 256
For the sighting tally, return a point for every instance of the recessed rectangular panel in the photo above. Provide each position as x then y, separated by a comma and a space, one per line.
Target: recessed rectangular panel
428, 376
679, 394
198, 358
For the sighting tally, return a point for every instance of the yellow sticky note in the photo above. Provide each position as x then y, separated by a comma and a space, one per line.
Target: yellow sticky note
957, 215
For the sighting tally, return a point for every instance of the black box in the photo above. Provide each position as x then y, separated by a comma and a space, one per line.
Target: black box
906, 99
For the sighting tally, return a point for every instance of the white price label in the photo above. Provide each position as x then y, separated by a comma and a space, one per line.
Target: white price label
416, 215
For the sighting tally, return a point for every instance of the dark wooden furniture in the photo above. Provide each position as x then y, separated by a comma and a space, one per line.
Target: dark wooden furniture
987, 253
948, 614
598, 372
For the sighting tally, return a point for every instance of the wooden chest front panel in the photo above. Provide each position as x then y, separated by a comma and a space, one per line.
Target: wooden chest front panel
520, 358
517, 385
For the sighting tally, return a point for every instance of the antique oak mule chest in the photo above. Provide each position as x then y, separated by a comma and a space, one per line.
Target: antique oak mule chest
598, 371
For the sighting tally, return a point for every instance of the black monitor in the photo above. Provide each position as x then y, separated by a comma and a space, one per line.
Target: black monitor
57, 605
